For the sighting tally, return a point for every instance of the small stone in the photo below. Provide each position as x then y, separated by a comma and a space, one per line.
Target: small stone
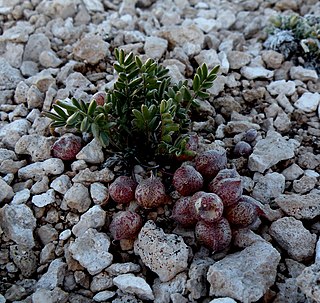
95, 217
308, 281
37, 43
256, 72
272, 59
293, 237
61, 184
129, 283
6, 192
44, 199
292, 172
303, 74
99, 193
47, 234
9, 76
20, 197
284, 87
92, 49
165, 254
86, 175
91, 251
100, 282
245, 275
47, 254
24, 258
308, 102
10, 133
65, 235
299, 206
122, 268
91, 153
103, 296
304, 185
155, 47
77, 198
44, 295
271, 150
238, 59
18, 223
210, 57
223, 300
94, 5
54, 275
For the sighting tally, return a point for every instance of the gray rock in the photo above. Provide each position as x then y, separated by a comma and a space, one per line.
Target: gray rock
299, 206
292, 236
9, 76
206, 25
25, 259
308, 281
54, 275
245, 275
86, 175
47, 253
164, 290
196, 283
292, 172
13, 54
41, 186
283, 122
92, 49
272, 59
284, 87
210, 57
268, 187
94, 6
122, 268
77, 198
237, 127
245, 237
165, 254
57, 295
256, 72
304, 184
53, 166
303, 74
47, 234
49, 59
21, 196
238, 59
308, 159
6, 192
61, 184
308, 102
37, 43
76, 82
12, 132
18, 223
223, 300
95, 217
91, 153
271, 150
20, 95
44, 199
38, 147
65, 235
100, 282
29, 68
103, 296
99, 193
155, 47
91, 251
18, 33
129, 283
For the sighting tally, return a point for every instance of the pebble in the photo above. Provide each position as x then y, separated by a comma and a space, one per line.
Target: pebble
65, 235
61, 184
238, 59
91, 153
303, 74
292, 172
77, 198
155, 47
284, 87
308, 102
44, 199
86, 175
256, 72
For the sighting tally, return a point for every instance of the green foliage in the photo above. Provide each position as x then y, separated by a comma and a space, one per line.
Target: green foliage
296, 35
144, 114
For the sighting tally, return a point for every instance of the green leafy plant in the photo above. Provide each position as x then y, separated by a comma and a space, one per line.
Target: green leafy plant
144, 114
294, 35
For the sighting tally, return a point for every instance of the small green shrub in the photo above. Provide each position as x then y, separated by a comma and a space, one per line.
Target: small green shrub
144, 115
294, 35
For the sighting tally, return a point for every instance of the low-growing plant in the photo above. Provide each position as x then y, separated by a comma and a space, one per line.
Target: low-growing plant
144, 114
295, 35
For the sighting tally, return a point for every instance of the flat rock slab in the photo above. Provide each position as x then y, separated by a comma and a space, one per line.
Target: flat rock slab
300, 206
245, 275
270, 151
165, 254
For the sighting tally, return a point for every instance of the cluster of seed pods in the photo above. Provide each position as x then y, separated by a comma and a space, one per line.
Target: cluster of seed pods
211, 202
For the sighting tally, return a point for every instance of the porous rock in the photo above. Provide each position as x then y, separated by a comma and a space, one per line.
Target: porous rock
165, 254
77, 197
245, 275
308, 281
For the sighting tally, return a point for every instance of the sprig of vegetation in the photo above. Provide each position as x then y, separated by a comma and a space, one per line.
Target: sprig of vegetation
144, 114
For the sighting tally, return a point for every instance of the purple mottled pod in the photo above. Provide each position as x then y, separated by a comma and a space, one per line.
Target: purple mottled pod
210, 162
208, 207
229, 189
183, 212
242, 149
187, 180
215, 236
150, 193
100, 98
66, 147
125, 225
250, 135
122, 189
243, 214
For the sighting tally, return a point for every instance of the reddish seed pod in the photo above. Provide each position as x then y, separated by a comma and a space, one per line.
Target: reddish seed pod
100, 98
122, 189
242, 149
66, 147
183, 212
229, 189
242, 214
150, 193
187, 180
215, 236
210, 162
125, 225
208, 207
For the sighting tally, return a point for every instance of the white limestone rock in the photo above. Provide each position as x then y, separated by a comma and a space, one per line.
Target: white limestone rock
308, 102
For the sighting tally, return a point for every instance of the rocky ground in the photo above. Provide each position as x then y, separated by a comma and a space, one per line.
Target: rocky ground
55, 243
